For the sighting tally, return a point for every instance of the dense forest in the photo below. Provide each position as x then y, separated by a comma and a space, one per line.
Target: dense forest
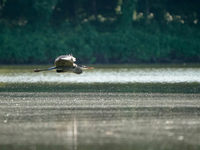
100, 31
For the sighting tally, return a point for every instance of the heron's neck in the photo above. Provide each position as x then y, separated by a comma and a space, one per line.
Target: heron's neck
77, 70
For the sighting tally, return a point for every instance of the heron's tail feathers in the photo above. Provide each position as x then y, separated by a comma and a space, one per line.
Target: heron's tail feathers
38, 70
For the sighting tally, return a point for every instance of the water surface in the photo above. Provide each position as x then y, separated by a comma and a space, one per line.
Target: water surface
142, 107
116, 74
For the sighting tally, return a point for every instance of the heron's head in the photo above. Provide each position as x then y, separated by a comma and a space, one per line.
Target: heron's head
85, 67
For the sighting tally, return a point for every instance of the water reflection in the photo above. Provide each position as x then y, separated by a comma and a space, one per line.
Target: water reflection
105, 75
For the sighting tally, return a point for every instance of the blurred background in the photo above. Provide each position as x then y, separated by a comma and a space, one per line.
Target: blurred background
100, 31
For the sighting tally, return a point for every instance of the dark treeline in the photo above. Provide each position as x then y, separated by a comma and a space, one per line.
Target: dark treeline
100, 31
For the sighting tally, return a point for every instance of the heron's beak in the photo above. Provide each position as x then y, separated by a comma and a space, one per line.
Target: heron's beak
89, 67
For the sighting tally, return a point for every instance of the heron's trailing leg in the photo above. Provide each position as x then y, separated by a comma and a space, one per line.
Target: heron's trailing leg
38, 70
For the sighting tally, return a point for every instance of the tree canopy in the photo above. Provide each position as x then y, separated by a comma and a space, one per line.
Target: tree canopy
100, 31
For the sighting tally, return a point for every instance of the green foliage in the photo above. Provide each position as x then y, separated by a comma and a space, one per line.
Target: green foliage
91, 46
37, 31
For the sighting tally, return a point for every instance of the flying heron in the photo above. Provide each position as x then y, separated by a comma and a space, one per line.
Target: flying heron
65, 63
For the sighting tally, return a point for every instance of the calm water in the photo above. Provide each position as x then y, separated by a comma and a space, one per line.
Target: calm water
110, 107
109, 74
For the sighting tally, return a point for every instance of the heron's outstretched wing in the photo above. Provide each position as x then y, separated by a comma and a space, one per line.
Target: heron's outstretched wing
65, 61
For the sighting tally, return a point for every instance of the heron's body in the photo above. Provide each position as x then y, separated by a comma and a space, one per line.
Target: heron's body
65, 63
